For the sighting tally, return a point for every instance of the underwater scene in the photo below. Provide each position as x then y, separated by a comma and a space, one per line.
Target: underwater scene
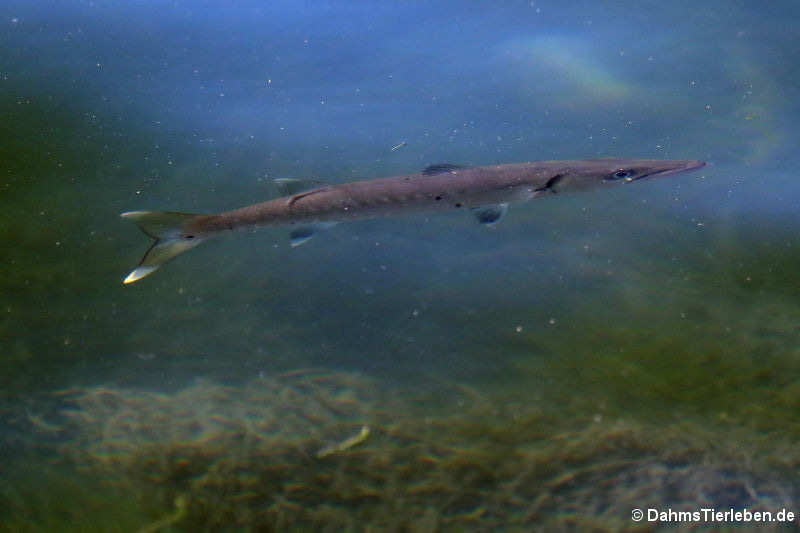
624, 358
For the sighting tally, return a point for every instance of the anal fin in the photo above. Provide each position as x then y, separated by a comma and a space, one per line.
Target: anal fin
302, 234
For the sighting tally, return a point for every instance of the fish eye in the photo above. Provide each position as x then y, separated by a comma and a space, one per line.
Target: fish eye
621, 174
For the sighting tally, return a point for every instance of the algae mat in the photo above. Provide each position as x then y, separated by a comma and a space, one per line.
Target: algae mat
320, 451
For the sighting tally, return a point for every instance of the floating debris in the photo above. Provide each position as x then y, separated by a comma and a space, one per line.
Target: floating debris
181, 505
345, 444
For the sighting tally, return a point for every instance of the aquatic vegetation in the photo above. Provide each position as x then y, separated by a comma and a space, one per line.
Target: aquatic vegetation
250, 458
38, 496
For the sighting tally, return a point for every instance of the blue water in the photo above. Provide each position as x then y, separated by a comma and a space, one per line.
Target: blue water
668, 306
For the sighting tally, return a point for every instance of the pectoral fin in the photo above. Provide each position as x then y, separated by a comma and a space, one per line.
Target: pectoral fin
490, 214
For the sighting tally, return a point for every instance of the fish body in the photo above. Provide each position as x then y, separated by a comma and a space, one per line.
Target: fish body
484, 190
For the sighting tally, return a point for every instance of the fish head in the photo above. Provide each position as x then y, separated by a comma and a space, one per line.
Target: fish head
598, 173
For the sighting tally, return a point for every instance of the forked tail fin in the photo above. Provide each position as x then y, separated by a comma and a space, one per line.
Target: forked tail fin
171, 239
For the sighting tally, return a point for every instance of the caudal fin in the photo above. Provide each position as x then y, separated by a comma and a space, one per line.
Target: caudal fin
171, 239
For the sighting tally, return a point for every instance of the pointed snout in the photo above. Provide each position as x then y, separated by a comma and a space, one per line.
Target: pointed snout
674, 167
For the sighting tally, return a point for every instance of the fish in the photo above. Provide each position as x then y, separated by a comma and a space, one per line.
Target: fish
485, 191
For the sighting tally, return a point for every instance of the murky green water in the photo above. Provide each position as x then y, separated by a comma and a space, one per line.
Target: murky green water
590, 355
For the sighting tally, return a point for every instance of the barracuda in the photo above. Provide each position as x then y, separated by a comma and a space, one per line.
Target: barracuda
485, 191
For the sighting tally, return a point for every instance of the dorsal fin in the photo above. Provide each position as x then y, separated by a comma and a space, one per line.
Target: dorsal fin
440, 168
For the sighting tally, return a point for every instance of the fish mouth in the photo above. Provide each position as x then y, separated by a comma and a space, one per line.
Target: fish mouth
678, 167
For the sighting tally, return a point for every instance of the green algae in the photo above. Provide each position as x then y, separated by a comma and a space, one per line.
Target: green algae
41, 496
448, 458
